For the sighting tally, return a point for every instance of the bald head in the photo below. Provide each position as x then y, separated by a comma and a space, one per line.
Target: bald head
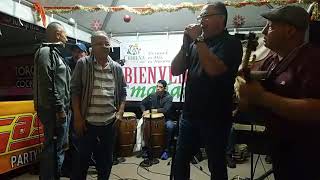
55, 33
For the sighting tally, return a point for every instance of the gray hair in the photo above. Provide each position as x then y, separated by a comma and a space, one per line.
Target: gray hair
221, 8
98, 34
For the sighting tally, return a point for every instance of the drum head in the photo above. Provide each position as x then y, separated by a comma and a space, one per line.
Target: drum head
153, 115
129, 114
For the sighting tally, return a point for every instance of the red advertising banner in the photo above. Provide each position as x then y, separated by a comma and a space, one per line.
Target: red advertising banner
16, 75
21, 135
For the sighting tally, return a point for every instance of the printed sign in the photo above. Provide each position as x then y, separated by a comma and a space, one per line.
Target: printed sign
21, 136
146, 62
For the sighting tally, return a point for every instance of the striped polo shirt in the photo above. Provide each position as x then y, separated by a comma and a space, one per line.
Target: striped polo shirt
102, 110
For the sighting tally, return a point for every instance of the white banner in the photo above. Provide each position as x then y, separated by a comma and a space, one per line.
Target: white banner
148, 60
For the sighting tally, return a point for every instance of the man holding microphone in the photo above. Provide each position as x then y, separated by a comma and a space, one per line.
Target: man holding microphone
212, 58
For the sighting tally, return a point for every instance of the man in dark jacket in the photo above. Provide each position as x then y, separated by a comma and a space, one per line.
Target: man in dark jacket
51, 94
161, 102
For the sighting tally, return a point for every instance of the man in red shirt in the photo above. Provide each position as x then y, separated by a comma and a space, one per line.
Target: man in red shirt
289, 98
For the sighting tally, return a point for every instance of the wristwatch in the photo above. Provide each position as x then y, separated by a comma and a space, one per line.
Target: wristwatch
199, 39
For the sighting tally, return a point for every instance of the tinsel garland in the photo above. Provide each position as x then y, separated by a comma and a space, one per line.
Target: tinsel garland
151, 9
315, 15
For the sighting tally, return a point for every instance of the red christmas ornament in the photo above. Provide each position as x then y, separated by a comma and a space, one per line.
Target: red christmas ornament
126, 18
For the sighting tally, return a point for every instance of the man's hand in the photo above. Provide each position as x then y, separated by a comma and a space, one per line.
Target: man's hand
144, 113
251, 92
119, 115
61, 115
60, 118
79, 125
193, 31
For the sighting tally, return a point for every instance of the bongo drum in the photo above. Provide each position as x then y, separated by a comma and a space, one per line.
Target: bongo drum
154, 132
126, 134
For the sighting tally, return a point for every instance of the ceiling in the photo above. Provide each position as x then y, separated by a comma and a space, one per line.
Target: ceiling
157, 22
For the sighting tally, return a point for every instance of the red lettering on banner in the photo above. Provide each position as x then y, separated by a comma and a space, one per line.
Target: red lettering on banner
151, 75
175, 79
128, 74
26, 143
135, 74
170, 76
162, 71
4, 139
22, 127
142, 73
6, 121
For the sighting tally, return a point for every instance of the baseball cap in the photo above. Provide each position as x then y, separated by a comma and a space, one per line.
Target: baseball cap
293, 15
80, 46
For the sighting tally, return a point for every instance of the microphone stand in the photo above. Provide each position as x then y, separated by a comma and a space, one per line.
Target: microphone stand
185, 51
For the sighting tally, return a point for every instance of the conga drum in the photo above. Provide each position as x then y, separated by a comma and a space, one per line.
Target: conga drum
154, 132
126, 134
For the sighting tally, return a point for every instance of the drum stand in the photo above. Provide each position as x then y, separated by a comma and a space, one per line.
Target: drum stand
150, 160
266, 174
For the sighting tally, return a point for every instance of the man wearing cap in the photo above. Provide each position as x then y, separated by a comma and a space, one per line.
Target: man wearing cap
78, 51
289, 98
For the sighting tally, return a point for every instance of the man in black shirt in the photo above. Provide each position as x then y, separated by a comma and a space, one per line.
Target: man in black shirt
212, 58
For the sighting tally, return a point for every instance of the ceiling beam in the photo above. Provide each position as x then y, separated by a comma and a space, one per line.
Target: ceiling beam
108, 16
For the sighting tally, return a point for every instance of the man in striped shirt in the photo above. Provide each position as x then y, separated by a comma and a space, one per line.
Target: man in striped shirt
98, 99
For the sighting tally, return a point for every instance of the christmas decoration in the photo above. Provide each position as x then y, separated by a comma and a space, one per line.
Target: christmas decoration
96, 25
127, 18
238, 21
41, 13
315, 14
151, 9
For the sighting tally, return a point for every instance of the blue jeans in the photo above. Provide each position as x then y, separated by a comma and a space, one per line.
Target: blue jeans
214, 137
98, 140
170, 128
47, 157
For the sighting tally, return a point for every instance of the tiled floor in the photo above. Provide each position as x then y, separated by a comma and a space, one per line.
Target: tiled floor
129, 170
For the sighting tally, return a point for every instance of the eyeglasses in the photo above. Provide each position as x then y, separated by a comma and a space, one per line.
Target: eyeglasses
206, 16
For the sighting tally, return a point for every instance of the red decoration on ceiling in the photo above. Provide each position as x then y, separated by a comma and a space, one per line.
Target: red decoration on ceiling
40, 10
126, 18
96, 25
238, 21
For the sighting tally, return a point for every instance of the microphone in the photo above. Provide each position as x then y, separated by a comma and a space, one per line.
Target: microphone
56, 44
186, 44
